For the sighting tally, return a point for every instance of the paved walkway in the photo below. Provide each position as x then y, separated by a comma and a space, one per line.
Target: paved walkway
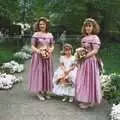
17, 104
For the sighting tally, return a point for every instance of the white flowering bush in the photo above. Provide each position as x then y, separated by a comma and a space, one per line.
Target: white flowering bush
115, 112
105, 81
12, 67
27, 49
111, 87
22, 55
7, 80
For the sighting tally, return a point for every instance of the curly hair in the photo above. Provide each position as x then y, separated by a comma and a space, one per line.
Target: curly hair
66, 45
44, 19
96, 27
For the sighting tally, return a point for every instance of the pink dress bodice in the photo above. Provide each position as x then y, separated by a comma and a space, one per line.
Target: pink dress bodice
42, 40
91, 42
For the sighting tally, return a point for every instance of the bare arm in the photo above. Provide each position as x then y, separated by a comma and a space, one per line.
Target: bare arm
34, 49
51, 48
71, 68
90, 54
62, 66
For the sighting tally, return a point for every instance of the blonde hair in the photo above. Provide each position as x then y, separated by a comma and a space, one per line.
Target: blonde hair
96, 27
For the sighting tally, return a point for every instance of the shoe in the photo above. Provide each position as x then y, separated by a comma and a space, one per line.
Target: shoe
40, 97
71, 99
64, 99
83, 106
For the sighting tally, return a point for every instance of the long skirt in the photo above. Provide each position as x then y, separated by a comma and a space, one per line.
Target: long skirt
88, 88
41, 74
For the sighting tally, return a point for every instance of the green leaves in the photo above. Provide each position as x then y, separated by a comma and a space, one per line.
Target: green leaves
112, 94
9, 9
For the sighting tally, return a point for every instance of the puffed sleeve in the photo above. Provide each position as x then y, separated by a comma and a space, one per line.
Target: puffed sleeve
96, 42
73, 60
61, 60
34, 39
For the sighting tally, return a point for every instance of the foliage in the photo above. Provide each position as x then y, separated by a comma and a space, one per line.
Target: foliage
112, 94
6, 51
75, 11
110, 55
5, 56
10, 9
18, 59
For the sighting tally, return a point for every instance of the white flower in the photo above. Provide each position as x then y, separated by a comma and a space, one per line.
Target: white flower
7, 80
115, 112
106, 81
21, 68
13, 67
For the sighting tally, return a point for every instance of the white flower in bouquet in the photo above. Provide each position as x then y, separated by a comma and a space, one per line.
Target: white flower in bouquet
80, 53
115, 112
45, 53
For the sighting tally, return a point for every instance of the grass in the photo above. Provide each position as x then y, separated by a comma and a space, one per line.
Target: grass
6, 51
111, 57
5, 56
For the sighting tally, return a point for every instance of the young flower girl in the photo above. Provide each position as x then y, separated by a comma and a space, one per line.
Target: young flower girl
65, 75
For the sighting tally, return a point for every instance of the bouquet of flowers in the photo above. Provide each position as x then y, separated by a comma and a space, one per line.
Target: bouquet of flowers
65, 81
80, 53
45, 52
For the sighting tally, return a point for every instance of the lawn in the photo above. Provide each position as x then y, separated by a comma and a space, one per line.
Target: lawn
6, 51
111, 57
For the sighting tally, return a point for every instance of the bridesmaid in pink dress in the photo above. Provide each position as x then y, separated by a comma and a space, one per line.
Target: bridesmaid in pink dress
88, 89
41, 72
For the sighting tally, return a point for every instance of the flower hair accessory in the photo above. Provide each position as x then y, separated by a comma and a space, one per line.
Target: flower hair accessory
89, 20
44, 18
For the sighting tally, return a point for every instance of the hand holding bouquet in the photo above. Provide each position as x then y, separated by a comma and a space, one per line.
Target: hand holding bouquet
64, 80
45, 53
80, 53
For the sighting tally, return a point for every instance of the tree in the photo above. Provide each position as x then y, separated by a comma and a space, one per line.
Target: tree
106, 12
9, 9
